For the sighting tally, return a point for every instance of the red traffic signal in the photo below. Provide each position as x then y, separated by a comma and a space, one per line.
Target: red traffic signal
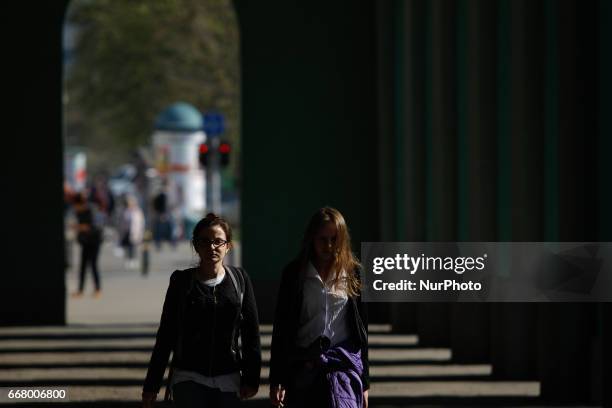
224, 152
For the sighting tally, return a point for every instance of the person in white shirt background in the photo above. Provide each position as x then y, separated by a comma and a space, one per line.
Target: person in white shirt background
131, 230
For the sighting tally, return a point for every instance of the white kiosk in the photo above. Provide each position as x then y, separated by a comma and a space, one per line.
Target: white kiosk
176, 140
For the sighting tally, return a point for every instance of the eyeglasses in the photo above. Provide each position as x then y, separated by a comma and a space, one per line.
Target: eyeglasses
216, 243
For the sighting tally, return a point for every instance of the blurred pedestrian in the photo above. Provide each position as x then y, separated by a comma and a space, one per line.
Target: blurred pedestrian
206, 310
319, 343
163, 229
68, 202
101, 195
131, 230
89, 237
68, 196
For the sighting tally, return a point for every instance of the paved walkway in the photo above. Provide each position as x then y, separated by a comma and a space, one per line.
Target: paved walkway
127, 295
107, 362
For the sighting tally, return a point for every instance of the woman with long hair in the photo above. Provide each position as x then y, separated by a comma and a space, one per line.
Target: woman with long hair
206, 310
319, 353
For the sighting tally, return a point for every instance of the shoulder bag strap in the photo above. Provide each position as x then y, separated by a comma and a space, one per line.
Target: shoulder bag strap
239, 289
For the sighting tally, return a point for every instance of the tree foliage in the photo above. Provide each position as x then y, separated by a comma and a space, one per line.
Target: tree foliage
133, 58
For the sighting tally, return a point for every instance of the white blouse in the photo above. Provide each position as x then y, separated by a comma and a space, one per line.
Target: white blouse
323, 310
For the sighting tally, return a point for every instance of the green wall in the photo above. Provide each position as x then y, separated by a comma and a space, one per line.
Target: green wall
309, 116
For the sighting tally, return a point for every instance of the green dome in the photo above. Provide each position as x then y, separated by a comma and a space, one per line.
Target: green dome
181, 117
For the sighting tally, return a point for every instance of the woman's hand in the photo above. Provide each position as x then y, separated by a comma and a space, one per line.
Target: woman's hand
247, 391
277, 395
365, 399
148, 399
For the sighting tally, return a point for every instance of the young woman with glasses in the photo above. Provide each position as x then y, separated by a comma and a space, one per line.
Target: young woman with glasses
205, 311
319, 343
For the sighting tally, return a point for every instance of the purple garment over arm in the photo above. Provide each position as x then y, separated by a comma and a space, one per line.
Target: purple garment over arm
344, 369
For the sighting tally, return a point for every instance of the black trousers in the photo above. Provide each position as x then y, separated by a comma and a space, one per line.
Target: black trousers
308, 386
89, 256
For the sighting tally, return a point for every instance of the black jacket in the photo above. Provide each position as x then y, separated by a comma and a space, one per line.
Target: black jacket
201, 325
286, 321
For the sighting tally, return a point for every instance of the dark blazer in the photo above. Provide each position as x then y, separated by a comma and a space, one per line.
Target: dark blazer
286, 321
218, 353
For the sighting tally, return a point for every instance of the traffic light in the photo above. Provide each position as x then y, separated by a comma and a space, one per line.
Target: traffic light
224, 153
203, 154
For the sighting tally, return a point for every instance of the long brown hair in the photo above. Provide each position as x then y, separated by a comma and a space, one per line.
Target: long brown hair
344, 259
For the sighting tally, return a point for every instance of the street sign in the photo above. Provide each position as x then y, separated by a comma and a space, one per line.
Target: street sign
214, 123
